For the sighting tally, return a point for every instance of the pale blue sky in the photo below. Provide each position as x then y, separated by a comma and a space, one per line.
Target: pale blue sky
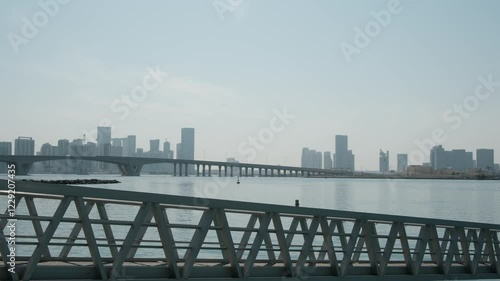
227, 76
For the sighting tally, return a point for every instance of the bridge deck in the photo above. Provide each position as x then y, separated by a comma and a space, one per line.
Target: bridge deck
69, 232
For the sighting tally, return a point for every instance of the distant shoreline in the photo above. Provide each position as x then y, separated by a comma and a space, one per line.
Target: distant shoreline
411, 177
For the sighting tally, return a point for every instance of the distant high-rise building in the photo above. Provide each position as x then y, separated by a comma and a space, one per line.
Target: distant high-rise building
307, 158
327, 160
457, 159
343, 158
318, 160
63, 147
178, 149
187, 146
24, 146
104, 145
103, 141
402, 162
129, 146
154, 145
167, 152
485, 159
384, 161
5, 148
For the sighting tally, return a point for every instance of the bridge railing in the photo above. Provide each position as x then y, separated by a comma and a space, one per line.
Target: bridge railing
88, 233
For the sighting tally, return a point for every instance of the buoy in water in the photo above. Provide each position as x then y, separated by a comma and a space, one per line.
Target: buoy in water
238, 181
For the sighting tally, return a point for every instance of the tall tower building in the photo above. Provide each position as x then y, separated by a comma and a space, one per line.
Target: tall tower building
187, 146
402, 162
327, 160
103, 141
24, 146
5, 148
343, 158
384, 162
485, 159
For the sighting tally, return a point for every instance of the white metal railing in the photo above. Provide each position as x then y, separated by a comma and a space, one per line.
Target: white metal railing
88, 233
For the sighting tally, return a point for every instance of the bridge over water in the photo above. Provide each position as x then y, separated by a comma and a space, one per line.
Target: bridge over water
131, 166
81, 233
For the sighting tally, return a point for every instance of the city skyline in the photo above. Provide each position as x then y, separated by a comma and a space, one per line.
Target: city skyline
403, 86
108, 145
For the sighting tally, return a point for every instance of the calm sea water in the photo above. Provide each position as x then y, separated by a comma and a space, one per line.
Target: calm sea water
477, 201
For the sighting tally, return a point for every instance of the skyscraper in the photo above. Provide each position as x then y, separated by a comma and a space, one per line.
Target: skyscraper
384, 162
187, 146
103, 145
129, 146
154, 145
327, 160
63, 147
485, 159
457, 159
24, 146
343, 158
402, 162
103, 141
5, 148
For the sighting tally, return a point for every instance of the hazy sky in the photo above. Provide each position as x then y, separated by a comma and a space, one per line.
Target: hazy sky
231, 68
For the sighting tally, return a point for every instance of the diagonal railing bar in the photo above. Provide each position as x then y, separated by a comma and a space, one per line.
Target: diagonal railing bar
246, 235
142, 213
37, 226
167, 240
83, 213
327, 231
108, 232
285, 253
74, 234
342, 233
291, 233
305, 231
421, 245
140, 236
496, 248
452, 250
435, 248
197, 241
406, 248
479, 245
465, 249
324, 246
47, 236
269, 245
389, 246
257, 244
446, 239
227, 243
358, 249
490, 252
346, 261
307, 246
372, 246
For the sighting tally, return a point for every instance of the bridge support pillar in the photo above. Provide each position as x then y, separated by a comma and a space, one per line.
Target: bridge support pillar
241, 171
131, 170
186, 170
180, 169
246, 171
231, 169
209, 170
197, 170
220, 171
203, 171
225, 171
252, 171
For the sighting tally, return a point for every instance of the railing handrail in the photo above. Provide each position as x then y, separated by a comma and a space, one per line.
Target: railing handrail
134, 196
